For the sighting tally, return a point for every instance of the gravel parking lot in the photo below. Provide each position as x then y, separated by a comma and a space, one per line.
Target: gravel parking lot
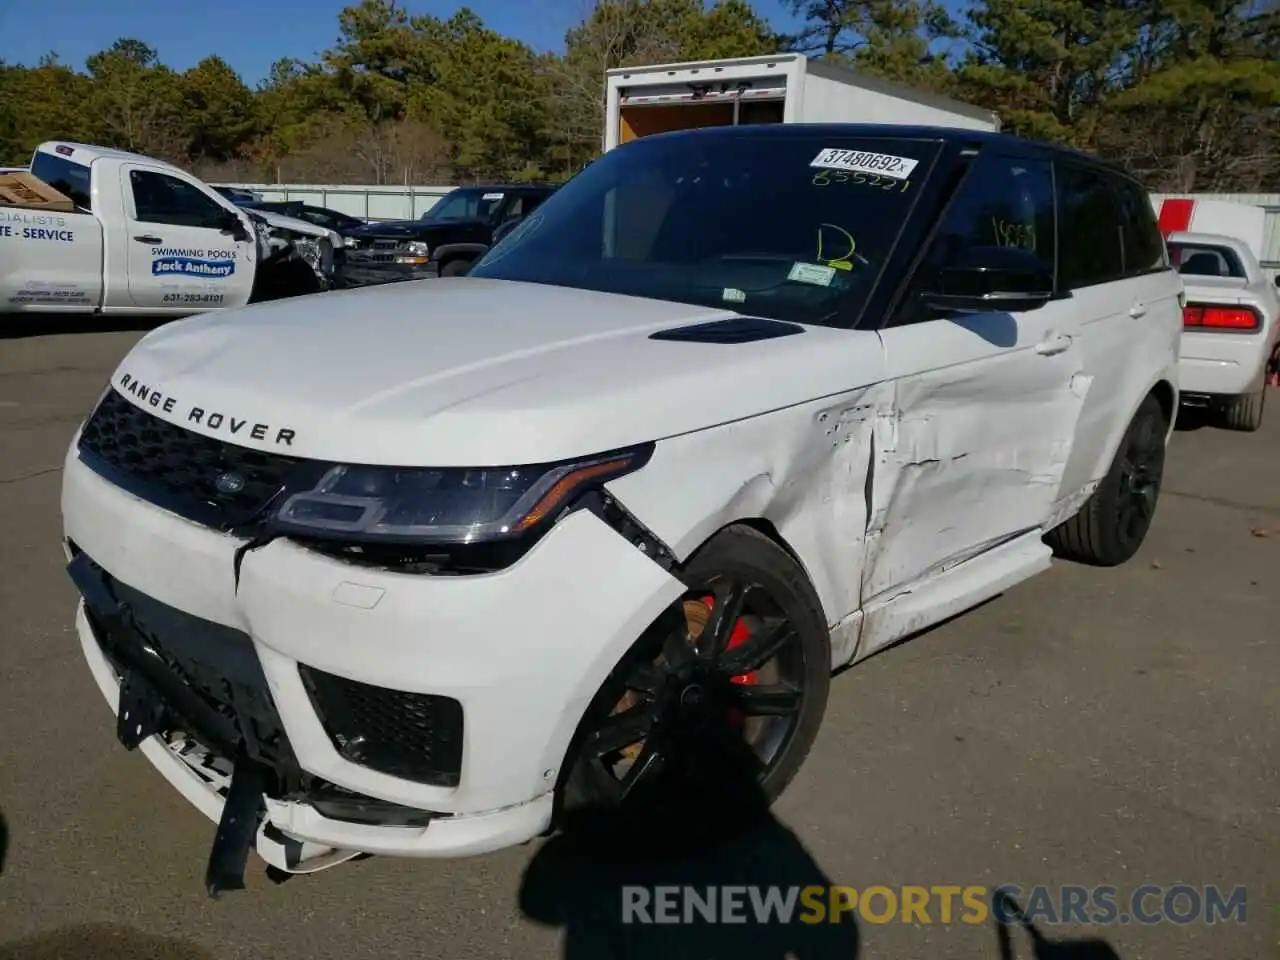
1091, 727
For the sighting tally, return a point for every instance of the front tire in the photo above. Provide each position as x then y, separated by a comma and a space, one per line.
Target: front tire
711, 714
455, 268
1114, 521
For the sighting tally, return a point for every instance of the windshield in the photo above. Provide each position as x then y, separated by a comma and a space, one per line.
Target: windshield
787, 227
465, 204
329, 218
1199, 260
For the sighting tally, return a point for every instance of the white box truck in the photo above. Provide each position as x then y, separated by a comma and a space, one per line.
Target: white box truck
782, 88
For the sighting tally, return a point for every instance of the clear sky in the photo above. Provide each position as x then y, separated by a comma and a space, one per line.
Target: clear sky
251, 34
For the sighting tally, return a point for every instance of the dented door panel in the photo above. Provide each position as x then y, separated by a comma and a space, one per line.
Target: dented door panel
984, 420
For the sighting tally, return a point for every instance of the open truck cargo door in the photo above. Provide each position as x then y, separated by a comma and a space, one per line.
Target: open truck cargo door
644, 119
786, 88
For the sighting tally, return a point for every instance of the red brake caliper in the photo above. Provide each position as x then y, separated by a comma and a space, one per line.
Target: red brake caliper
738, 637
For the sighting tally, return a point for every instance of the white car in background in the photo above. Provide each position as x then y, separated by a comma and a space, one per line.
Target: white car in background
1231, 326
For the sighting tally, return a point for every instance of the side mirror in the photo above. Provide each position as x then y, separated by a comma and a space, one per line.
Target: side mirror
993, 278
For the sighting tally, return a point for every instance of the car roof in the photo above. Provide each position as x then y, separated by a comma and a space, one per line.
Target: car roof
897, 131
1206, 239
508, 187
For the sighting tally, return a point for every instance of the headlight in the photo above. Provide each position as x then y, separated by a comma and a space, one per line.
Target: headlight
418, 249
448, 505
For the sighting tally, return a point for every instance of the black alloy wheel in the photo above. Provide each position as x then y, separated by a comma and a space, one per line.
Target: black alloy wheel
715, 708
1115, 520
1141, 472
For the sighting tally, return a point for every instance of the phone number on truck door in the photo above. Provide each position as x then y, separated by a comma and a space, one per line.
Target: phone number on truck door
193, 297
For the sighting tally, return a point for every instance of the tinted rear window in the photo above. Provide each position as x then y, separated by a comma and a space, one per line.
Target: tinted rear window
788, 227
66, 176
1202, 260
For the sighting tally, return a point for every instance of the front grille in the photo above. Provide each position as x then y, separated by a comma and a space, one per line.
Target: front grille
177, 468
414, 736
377, 250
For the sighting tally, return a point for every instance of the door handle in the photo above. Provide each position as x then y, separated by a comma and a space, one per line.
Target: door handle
1053, 344
1138, 309
149, 238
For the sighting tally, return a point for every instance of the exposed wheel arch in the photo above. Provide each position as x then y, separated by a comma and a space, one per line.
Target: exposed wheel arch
1167, 397
765, 528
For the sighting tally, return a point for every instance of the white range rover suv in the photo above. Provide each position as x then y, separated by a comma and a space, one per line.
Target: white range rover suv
413, 570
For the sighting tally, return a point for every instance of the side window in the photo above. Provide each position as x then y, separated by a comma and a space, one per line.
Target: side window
160, 198
1144, 250
1092, 249
518, 207
522, 205
1003, 202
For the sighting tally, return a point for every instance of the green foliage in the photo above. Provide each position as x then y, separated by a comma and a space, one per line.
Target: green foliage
1186, 92
218, 114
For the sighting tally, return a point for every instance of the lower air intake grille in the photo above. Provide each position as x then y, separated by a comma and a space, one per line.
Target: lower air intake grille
414, 736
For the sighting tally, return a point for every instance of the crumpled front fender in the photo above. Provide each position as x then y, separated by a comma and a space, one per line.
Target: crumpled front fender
803, 470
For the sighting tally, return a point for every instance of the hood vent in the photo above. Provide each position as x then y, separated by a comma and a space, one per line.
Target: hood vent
733, 330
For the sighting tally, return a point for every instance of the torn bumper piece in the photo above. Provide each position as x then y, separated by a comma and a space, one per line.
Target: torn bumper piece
152, 698
262, 800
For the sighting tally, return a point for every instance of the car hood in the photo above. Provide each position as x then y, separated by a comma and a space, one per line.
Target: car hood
472, 372
413, 228
281, 222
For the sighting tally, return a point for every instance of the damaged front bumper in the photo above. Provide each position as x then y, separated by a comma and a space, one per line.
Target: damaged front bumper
281, 243
316, 710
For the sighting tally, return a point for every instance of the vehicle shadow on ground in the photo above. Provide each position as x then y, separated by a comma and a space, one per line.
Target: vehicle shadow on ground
25, 326
1093, 948
101, 941
584, 878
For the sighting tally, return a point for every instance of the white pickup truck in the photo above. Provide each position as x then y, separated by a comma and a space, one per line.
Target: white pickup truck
147, 238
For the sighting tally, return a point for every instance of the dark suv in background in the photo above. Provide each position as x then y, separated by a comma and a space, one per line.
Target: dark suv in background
447, 239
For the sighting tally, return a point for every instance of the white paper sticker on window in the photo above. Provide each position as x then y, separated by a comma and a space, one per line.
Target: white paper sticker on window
812, 273
492, 196
861, 161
